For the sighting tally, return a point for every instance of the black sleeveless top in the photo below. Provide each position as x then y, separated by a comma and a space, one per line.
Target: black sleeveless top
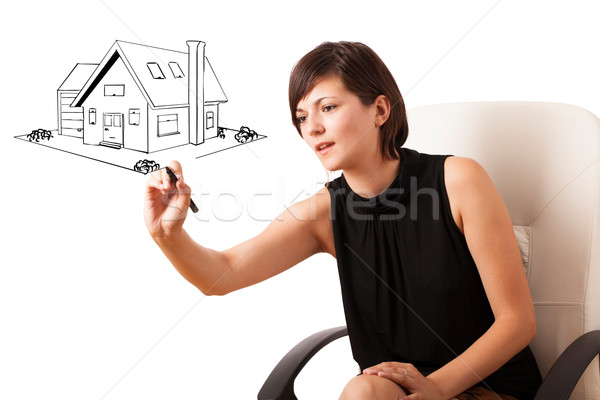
410, 288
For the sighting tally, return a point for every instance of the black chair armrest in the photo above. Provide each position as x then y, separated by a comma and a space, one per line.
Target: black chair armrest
569, 367
280, 384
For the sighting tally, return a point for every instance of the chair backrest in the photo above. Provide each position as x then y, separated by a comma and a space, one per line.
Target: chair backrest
544, 158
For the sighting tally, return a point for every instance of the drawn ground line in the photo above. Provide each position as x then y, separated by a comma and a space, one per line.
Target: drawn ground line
427, 73
75, 154
420, 319
234, 146
251, 151
175, 325
21, 137
255, 155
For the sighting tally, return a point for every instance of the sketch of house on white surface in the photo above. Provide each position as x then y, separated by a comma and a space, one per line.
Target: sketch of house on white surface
139, 97
144, 99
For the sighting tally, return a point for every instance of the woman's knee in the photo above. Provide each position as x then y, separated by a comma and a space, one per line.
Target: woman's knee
371, 387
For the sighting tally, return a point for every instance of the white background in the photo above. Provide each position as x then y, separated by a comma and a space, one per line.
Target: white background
91, 309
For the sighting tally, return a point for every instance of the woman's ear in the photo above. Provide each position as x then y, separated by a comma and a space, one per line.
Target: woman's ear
382, 110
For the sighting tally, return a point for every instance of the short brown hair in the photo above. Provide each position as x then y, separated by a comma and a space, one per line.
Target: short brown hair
360, 70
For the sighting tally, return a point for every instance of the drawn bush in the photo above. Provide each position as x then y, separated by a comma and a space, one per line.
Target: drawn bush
146, 166
245, 135
39, 134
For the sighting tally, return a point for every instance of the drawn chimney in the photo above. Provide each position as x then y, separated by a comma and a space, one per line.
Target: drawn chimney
196, 90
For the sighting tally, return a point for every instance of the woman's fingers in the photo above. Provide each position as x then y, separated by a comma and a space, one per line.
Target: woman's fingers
161, 180
390, 365
175, 166
175, 194
402, 373
166, 180
154, 181
409, 378
398, 377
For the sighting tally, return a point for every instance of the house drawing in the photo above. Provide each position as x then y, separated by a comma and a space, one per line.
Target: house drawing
142, 98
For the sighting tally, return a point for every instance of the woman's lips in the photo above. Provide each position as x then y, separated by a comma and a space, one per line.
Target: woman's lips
324, 148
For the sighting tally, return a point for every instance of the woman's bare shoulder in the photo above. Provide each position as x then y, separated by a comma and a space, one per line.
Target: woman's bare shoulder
317, 208
460, 173
458, 170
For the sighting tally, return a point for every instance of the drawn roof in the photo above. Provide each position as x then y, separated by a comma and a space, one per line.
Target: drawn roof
78, 77
166, 92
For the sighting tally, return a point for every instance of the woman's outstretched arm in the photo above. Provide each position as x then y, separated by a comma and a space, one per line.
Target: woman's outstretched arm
293, 236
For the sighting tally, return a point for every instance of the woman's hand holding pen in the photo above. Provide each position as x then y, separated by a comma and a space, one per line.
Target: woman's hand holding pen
166, 204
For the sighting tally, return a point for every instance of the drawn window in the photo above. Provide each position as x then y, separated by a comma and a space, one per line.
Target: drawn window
176, 70
155, 70
114, 90
167, 125
108, 120
117, 120
134, 116
92, 116
210, 120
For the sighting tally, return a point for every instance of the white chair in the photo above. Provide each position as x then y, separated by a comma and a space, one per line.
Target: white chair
544, 158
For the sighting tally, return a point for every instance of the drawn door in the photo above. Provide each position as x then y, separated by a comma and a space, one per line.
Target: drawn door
113, 128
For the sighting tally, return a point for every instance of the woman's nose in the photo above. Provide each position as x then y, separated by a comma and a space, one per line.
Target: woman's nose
314, 127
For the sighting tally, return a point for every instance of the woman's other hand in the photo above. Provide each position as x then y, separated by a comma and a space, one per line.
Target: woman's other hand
409, 378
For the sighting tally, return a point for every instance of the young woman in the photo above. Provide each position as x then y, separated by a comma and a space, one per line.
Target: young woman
435, 295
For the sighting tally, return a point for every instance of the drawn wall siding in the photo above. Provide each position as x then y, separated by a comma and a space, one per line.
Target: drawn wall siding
70, 119
116, 94
167, 128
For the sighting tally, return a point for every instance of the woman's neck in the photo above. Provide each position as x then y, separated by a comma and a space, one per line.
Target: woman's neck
372, 178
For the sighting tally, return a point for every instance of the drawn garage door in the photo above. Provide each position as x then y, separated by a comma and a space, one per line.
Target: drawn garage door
70, 118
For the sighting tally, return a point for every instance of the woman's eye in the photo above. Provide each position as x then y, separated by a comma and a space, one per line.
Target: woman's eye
328, 108
301, 119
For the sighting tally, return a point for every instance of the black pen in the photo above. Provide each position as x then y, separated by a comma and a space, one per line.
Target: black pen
173, 179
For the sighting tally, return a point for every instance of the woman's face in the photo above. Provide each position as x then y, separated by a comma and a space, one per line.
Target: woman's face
337, 126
